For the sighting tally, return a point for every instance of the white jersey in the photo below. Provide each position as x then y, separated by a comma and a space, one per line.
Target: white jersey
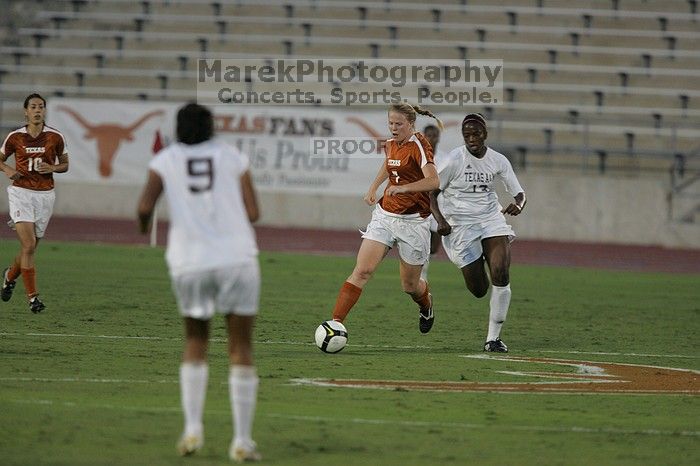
467, 185
209, 226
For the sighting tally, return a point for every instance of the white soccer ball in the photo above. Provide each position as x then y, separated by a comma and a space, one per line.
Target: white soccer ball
331, 336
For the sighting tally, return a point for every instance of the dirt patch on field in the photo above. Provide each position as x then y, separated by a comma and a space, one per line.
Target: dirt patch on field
587, 377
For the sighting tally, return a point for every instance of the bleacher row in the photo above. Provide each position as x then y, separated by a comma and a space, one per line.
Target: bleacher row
612, 83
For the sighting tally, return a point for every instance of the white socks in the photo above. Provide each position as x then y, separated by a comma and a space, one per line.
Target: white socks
193, 391
243, 391
500, 301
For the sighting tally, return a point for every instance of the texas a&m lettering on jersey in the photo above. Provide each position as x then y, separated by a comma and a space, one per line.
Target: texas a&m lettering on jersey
47, 147
404, 164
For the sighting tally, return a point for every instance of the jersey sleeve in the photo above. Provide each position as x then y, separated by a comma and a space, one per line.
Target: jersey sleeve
446, 168
239, 161
510, 181
8, 146
156, 163
424, 154
61, 147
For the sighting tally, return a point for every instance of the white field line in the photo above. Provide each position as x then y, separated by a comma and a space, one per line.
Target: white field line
301, 343
386, 422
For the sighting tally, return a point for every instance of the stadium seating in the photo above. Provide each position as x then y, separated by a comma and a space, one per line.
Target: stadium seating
590, 76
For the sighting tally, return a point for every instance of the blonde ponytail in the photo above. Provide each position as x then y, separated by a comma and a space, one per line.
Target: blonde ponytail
427, 112
410, 112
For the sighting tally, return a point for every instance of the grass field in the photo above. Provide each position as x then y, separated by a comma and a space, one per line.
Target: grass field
93, 380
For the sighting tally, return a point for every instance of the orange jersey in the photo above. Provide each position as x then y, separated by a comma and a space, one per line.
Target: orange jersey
405, 163
47, 147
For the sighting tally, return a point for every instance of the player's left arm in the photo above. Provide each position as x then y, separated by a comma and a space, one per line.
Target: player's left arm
513, 186
429, 182
61, 167
515, 208
149, 197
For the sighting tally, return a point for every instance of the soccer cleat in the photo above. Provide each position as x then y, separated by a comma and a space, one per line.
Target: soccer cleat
495, 346
35, 305
7, 286
425, 321
189, 444
241, 452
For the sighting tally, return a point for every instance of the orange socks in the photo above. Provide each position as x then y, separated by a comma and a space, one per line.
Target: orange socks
348, 296
14, 272
423, 300
29, 279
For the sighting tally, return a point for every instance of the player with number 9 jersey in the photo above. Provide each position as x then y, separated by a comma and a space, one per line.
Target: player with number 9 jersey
209, 227
212, 257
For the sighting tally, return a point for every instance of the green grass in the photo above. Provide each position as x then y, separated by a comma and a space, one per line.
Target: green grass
70, 394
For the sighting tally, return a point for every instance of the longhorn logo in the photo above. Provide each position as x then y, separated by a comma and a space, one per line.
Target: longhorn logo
108, 135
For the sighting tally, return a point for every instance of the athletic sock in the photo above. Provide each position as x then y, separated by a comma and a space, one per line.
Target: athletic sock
29, 279
193, 391
243, 392
499, 303
14, 272
423, 300
348, 296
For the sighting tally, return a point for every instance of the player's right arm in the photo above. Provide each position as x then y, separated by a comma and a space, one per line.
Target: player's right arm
5, 152
382, 176
149, 197
443, 228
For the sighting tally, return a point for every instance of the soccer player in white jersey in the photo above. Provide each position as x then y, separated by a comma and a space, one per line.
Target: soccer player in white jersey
472, 221
212, 259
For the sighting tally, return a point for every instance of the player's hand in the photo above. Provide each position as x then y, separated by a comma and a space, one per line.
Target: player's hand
393, 190
13, 174
371, 197
513, 209
444, 228
43, 167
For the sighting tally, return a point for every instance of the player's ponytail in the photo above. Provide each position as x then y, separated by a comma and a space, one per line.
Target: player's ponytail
410, 112
426, 112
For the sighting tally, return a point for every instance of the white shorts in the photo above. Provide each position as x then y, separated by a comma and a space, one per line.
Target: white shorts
229, 290
433, 224
411, 234
27, 205
463, 244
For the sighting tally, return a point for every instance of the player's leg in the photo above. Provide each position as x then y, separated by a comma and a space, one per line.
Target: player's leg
497, 252
9, 278
239, 297
369, 257
194, 376
414, 250
419, 290
28, 243
194, 295
435, 240
475, 277
243, 386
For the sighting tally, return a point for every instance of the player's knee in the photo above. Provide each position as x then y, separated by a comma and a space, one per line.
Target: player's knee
363, 273
478, 291
28, 248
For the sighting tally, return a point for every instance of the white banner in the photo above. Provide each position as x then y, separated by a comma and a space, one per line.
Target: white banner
111, 142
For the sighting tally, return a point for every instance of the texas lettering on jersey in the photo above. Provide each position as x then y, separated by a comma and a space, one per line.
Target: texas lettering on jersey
47, 147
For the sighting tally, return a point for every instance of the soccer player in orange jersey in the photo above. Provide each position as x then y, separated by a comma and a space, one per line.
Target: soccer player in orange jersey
401, 215
40, 151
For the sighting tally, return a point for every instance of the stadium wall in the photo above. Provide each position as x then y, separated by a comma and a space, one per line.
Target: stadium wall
570, 207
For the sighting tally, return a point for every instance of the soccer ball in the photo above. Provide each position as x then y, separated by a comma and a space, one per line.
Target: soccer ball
331, 336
